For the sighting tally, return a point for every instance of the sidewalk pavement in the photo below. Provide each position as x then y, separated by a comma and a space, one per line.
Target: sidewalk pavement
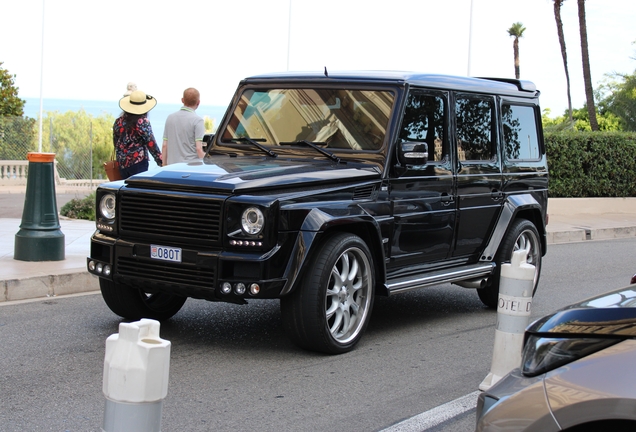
570, 220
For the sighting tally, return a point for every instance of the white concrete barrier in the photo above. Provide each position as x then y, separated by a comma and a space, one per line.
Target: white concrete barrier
513, 315
136, 371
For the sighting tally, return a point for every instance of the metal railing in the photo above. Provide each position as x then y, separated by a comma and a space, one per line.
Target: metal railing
15, 173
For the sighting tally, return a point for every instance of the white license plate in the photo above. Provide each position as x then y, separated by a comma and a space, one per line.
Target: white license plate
165, 253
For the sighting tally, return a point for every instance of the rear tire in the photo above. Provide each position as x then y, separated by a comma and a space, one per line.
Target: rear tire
331, 309
134, 304
522, 234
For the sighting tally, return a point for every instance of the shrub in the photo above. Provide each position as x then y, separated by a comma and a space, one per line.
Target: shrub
591, 164
83, 208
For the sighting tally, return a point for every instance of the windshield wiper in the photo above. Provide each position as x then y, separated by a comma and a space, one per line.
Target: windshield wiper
314, 146
256, 144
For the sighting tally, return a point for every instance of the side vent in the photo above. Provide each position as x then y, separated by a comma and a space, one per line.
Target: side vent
363, 192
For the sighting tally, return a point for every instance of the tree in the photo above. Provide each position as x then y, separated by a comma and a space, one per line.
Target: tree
516, 31
618, 97
81, 142
559, 24
16, 132
10, 104
607, 121
587, 75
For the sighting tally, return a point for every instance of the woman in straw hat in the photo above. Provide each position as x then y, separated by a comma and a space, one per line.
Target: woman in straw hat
132, 134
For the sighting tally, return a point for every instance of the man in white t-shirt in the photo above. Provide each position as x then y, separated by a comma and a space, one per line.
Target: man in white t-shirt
184, 130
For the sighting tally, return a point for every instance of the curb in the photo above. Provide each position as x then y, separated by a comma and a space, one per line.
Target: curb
47, 286
581, 234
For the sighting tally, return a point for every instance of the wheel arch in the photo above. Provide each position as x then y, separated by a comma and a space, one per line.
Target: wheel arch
309, 241
522, 206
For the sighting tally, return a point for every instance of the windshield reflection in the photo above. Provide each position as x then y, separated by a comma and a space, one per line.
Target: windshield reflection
341, 118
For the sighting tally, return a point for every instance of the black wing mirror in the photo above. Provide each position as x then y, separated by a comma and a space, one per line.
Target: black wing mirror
207, 140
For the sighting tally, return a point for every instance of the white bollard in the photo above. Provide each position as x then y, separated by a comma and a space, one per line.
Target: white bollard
513, 315
136, 369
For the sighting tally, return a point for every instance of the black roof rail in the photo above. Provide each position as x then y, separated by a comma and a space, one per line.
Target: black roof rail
522, 85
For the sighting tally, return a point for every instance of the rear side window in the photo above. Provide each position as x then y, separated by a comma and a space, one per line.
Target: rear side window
520, 132
475, 128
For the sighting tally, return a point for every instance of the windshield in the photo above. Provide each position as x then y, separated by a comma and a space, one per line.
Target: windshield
333, 118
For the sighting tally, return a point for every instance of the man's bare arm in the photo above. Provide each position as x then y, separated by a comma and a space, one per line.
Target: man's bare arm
200, 152
164, 152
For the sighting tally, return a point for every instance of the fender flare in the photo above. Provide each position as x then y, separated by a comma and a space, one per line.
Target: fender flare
511, 207
315, 226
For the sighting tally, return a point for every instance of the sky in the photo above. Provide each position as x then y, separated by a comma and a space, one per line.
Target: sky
92, 49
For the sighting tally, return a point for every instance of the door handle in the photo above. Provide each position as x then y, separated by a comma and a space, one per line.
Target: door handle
496, 195
446, 199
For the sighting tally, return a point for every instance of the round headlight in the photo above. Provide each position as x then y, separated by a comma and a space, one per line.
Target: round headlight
252, 221
107, 206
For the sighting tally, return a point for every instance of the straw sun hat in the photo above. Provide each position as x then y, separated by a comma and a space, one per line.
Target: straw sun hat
137, 103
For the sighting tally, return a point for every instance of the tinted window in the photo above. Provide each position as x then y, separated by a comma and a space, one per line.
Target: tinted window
520, 132
474, 128
424, 120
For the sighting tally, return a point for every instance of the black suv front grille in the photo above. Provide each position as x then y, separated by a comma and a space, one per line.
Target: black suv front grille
193, 219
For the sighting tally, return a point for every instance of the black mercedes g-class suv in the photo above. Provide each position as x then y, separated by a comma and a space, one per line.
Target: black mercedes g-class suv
326, 190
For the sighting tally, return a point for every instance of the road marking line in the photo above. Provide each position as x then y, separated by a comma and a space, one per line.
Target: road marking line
437, 415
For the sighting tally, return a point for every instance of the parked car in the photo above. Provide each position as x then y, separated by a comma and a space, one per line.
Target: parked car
325, 190
576, 374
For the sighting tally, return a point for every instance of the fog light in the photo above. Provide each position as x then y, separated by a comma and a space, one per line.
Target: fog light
255, 289
226, 288
239, 288
91, 265
107, 270
99, 267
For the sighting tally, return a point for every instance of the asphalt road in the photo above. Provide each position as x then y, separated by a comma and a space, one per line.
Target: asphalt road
232, 368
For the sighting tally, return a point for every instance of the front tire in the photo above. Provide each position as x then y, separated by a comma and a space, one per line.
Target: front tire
521, 235
133, 303
331, 309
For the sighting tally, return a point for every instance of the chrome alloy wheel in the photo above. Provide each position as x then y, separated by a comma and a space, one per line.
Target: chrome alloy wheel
348, 295
529, 241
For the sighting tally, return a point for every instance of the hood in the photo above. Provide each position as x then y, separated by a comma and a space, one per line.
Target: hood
229, 174
611, 315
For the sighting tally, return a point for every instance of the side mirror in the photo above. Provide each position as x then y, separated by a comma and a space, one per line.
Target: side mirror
413, 153
207, 140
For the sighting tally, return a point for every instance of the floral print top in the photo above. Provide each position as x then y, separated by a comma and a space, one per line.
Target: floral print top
133, 147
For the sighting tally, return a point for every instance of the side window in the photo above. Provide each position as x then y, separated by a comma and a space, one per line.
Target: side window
475, 127
425, 120
520, 132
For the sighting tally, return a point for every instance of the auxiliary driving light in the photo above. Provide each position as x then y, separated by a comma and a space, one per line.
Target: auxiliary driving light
91, 265
255, 289
99, 267
226, 288
239, 288
106, 270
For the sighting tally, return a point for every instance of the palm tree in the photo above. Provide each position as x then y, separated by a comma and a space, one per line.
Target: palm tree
516, 31
559, 23
587, 76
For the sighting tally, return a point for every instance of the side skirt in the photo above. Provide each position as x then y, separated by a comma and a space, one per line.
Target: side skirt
455, 274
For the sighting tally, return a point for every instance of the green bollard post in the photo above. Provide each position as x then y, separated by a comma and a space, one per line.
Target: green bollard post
40, 237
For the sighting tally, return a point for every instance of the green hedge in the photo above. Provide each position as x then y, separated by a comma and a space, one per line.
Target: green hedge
80, 208
591, 164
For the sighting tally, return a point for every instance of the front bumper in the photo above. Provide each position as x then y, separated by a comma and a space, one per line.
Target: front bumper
200, 274
521, 406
